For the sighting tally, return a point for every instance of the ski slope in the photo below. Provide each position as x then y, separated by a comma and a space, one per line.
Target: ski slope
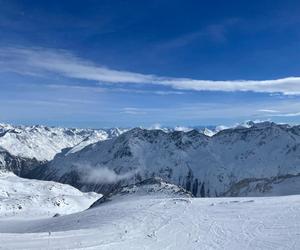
143, 221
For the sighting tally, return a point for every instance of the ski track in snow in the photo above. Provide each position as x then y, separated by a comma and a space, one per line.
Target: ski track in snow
148, 222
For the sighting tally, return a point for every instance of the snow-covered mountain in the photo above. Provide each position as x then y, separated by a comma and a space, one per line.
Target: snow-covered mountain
24, 147
206, 166
42, 142
150, 187
33, 198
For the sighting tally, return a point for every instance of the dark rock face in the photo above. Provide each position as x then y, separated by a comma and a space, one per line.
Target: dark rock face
18, 165
264, 186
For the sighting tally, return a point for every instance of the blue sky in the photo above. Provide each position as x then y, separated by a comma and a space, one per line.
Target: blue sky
139, 63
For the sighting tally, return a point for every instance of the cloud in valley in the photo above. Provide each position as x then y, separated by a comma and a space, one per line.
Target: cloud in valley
100, 174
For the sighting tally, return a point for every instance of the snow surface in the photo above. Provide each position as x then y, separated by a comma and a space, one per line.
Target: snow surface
24, 198
156, 222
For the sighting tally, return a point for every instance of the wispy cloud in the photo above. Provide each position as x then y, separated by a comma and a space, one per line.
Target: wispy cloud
268, 110
198, 111
287, 114
60, 62
36, 102
213, 32
102, 89
133, 111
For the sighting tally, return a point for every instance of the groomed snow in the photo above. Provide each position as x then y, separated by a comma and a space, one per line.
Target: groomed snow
156, 222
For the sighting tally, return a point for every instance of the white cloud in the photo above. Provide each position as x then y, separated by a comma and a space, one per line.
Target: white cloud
155, 126
287, 114
182, 128
133, 111
61, 62
100, 174
268, 111
203, 111
106, 89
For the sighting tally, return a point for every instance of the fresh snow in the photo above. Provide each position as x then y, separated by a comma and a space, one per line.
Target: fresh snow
156, 222
24, 198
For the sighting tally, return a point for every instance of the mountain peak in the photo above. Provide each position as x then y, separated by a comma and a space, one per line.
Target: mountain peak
155, 187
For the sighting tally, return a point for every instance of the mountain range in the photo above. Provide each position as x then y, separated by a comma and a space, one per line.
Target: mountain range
251, 159
146, 185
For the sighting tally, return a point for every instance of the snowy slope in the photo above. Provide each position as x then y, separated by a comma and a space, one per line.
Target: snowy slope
206, 166
27, 199
151, 221
43, 142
